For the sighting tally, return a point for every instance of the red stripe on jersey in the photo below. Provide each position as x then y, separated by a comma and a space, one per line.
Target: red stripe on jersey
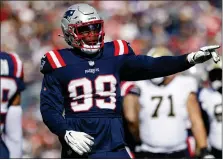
189, 145
128, 89
22, 73
122, 82
132, 155
60, 59
15, 64
126, 49
50, 59
117, 48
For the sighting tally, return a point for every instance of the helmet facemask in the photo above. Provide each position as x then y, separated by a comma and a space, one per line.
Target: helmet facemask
88, 37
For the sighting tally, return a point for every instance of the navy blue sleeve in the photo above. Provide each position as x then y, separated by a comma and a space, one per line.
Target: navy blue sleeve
20, 84
45, 66
142, 67
51, 105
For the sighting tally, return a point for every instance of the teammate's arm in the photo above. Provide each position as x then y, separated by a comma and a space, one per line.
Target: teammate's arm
13, 128
198, 128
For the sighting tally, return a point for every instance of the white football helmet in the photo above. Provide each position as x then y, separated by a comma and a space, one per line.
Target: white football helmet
158, 52
83, 28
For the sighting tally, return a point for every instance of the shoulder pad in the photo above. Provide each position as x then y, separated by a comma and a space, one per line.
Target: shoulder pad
122, 47
51, 61
17, 66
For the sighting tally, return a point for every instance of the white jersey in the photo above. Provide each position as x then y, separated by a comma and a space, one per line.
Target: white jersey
163, 114
211, 102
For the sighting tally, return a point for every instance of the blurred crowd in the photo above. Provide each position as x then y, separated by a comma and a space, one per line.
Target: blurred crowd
31, 28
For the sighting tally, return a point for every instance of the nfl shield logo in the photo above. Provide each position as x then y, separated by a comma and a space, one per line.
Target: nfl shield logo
91, 63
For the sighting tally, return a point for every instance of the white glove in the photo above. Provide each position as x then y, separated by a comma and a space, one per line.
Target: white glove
204, 54
80, 142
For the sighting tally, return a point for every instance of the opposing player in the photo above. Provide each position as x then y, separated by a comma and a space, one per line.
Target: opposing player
11, 112
130, 123
85, 81
165, 105
211, 102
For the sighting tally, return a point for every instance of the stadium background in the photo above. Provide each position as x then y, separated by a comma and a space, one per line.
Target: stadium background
31, 28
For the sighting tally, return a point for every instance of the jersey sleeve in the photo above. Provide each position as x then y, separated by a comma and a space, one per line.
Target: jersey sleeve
192, 85
121, 47
202, 96
17, 71
51, 105
45, 66
51, 61
135, 90
20, 84
142, 67
129, 88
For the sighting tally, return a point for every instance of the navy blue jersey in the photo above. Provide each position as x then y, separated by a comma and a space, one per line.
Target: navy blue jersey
87, 89
11, 77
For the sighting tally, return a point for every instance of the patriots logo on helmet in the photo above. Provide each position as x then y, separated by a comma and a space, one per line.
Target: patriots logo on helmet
68, 14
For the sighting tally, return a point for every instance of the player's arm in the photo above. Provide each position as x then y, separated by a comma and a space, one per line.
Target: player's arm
143, 67
51, 107
198, 128
13, 128
131, 113
131, 109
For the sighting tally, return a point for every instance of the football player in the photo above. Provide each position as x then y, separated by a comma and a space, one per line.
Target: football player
85, 81
11, 112
165, 105
130, 122
211, 102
